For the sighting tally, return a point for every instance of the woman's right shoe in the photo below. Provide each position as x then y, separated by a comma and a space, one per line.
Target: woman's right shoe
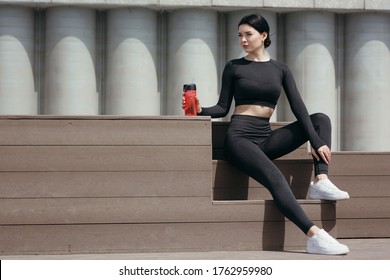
324, 244
326, 190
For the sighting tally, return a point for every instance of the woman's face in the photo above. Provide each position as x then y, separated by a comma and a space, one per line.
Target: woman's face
250, 39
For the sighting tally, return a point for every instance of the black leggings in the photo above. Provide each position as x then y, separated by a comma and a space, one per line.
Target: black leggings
251, 145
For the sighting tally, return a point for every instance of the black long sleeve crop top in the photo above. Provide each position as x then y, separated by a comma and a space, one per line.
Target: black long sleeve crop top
260, 83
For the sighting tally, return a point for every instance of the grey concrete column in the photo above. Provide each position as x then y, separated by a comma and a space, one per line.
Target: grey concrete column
17, 90
70, 78
234, 49
132, 79
192, 56
310, 52
367, 82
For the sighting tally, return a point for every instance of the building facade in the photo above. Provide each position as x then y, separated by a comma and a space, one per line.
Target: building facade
126, 57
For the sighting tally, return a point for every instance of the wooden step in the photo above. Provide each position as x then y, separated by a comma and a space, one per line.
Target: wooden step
181, 225
128, 184
366, 176
152, 237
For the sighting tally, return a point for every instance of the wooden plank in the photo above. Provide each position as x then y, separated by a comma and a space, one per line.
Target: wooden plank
363, 185
363, 228
364, 208
172, 237
146, 210
100, 117
190, 131
360, 163
105, 184
104, 158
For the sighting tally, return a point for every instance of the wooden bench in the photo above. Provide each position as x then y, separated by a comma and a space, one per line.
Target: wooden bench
366, 176
106, 184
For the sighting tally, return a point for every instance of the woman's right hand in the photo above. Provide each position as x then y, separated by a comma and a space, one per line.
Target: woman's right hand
198, 107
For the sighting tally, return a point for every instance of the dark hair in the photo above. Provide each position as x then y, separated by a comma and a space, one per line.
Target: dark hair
259, 23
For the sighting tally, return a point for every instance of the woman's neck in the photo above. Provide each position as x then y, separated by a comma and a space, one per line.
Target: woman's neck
260, 56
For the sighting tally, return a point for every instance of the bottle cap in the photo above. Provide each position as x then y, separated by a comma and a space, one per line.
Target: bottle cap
189, 87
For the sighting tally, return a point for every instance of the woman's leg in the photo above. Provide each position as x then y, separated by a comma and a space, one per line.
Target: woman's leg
287, 139
250, 159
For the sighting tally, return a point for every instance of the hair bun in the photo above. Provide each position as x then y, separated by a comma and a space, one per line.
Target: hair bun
267, 42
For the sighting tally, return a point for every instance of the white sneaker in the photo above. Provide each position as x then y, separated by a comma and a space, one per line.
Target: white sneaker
326, 190
323, 243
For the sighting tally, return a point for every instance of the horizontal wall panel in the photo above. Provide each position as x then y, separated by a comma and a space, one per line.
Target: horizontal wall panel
105, 184
173, 237
104, 158
365, 176
363, 228
360, 163
105, 131
141, 210
364, 208
364, 186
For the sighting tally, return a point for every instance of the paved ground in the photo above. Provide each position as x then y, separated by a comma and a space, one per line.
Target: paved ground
360, 249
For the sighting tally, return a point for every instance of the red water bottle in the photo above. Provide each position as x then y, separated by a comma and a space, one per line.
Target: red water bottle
189, 95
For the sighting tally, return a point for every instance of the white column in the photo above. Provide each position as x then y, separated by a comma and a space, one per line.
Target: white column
132, 46
310, 51
17, 90
192, 56
70, 78
234, 49
367, 82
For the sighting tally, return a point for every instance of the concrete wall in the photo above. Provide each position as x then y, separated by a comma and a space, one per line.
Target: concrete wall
132, 58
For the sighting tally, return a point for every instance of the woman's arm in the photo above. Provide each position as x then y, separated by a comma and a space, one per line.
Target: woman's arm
221, 109
299, 109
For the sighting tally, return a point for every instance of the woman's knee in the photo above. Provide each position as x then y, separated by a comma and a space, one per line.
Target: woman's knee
321, 119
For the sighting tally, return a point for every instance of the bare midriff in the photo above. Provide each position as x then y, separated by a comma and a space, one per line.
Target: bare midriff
254, 110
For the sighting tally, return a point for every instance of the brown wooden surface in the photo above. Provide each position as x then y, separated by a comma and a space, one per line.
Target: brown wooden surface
364, 185
360, 163
107, 130
168, 237
165, 183
366, 177
139, 184
104, 158
88, 184
361, 249
146, 210
363, 228
67, 170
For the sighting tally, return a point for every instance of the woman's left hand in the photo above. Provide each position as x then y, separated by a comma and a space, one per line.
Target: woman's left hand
323, 152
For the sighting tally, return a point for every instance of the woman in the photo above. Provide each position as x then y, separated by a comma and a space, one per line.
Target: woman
255, 82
